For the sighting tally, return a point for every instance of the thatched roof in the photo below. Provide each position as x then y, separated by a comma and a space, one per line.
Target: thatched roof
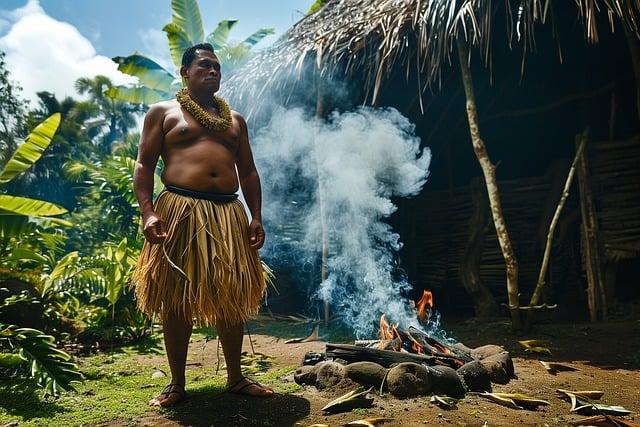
373, 37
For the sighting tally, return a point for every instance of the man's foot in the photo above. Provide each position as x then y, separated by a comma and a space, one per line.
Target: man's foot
249, 387
171, 395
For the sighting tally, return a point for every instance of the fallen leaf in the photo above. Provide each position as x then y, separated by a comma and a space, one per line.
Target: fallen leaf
553, 367
585, 394
445, 402
586, 406
369, 422
535, 346
352, 400
515, 400
604, 421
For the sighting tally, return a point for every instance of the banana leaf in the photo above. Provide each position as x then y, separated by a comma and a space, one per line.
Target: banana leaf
352, 400
255, 38
137, 94
178, 42
149, 73
218, 37
15, 205
31, 150
186, 16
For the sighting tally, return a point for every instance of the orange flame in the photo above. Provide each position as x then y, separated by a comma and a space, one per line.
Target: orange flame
387, 332
425, 302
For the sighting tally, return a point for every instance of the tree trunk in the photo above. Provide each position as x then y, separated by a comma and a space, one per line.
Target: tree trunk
489, 172
484, 304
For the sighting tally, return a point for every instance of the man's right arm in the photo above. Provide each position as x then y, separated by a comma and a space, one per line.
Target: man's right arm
143, 177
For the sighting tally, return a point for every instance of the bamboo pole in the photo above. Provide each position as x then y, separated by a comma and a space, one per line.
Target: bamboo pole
324, 270
489, 172
535, 297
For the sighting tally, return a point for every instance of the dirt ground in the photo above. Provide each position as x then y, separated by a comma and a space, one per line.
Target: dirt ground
606, 354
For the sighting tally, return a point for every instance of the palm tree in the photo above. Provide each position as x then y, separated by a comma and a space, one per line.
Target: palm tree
105, 118
185, 29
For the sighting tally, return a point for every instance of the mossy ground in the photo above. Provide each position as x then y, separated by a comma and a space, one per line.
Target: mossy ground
117, 386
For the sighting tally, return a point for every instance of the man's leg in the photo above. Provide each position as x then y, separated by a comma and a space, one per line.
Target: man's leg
231, 339
177, 331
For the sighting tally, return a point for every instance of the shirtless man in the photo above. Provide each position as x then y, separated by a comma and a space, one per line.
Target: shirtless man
185, 273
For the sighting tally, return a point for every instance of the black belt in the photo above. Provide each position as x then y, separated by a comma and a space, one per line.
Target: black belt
206, 195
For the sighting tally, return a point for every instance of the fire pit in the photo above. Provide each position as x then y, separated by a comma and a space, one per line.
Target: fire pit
408, 362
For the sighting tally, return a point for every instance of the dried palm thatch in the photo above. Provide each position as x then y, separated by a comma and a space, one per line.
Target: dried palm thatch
375, 37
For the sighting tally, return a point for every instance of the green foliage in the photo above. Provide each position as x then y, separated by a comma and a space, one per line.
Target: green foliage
185, 29
32, 148
49, 366
12, 112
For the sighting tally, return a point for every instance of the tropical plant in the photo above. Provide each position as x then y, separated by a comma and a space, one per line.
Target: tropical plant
15, 211
50, 367
185, 29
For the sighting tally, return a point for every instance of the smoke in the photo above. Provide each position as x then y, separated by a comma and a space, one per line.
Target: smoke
350, 165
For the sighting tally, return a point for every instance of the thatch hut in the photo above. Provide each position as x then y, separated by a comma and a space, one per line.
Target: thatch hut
543, 72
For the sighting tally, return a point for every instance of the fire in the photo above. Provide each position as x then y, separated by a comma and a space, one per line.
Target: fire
426, 302
387, 333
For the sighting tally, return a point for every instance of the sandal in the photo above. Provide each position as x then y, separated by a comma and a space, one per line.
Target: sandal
167, 391
241, 390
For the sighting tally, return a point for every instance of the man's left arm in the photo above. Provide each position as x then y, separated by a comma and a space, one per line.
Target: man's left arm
250, 184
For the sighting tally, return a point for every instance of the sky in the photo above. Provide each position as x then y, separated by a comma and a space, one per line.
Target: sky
51, 43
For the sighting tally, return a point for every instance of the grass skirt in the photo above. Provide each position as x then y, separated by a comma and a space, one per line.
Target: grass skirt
205, 269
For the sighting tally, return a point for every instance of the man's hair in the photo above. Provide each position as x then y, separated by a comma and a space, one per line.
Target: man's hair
189, 55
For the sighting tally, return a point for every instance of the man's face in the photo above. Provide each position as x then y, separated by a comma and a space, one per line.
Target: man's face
204, 72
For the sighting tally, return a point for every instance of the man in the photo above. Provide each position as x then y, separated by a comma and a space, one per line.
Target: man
200, 258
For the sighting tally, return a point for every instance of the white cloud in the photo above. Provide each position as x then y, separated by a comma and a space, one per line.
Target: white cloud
45, 54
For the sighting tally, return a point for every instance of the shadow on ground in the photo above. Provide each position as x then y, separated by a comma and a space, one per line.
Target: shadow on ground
209, 407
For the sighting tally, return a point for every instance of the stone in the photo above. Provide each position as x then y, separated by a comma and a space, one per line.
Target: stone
305, 375
408, 379
475, 376
463, 348
486, 351
365, 373
158, 374
445, 380
500, 367
328, 374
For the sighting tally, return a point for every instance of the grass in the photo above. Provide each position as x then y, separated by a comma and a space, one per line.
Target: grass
117, 386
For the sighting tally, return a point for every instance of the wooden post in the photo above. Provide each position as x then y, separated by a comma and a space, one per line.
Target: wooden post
489, 172
596, 295
324, 270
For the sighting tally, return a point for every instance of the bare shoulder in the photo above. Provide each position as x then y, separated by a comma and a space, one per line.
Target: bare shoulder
237, 117
162, 107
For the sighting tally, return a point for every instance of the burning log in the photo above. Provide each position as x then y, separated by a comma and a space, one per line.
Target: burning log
353, 353
442, 349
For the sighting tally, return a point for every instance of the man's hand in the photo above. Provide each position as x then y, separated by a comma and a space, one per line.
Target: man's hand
154, 229
256, 234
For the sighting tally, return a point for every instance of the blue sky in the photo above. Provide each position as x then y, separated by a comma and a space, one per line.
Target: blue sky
50, 43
